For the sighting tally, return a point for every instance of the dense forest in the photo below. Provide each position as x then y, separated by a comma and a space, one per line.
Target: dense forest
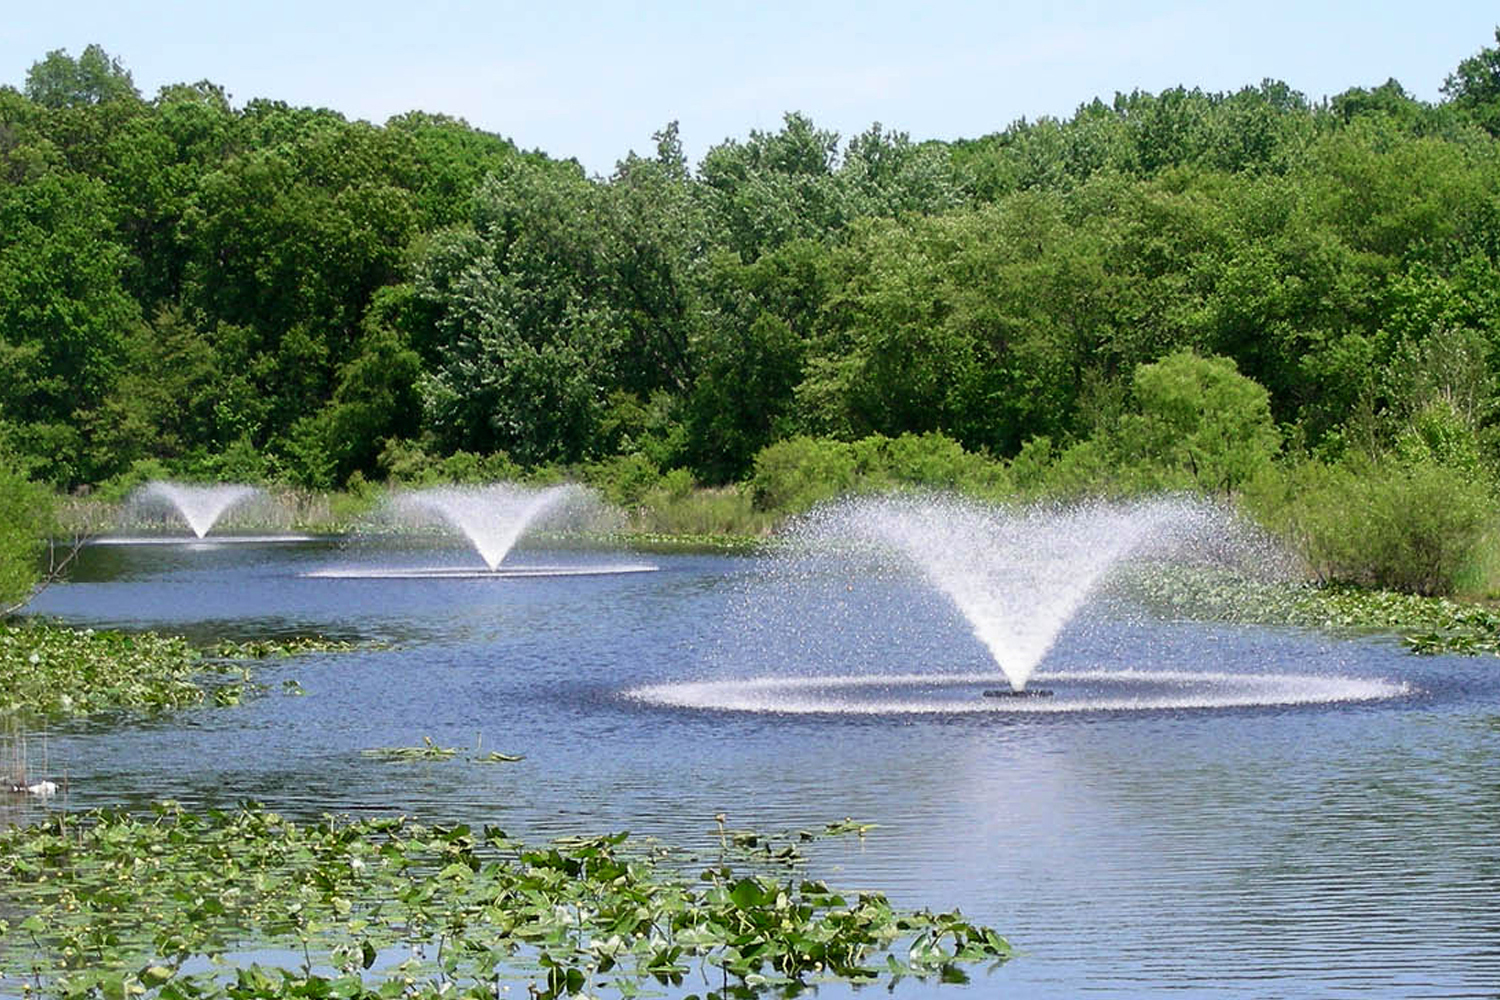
1166, 290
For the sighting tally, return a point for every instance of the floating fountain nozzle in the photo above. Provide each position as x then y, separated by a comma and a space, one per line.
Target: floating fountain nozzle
1022, 693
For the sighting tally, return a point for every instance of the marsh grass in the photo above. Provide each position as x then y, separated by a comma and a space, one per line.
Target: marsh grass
14, 757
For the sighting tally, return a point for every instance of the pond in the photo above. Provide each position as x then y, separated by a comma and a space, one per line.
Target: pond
1217, 810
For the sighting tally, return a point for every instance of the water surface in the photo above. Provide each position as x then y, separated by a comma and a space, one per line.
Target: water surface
1315, 849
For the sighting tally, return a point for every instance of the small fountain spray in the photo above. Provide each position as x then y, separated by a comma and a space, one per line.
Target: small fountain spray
493, 517
199, 506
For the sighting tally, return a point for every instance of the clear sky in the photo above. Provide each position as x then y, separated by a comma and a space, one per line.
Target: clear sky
594, 80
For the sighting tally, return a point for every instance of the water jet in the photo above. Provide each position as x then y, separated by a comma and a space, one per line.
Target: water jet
1017, 575
493, 517
872, 580
199, 506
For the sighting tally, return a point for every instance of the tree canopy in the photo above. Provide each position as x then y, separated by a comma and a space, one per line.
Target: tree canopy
296, 296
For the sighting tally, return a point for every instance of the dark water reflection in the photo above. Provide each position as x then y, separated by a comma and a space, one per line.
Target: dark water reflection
1277, 850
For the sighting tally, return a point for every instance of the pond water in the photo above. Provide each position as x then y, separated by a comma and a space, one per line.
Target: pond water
1213, 810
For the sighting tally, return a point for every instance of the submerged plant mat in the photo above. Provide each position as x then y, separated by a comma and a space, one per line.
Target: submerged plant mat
117, 905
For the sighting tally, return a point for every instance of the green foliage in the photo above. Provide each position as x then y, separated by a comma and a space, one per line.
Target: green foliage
1198, 419
1412, 527
49, 671
260, 649
278, 294
714, 518
25, 520
624, 480
112, 904
800, 472
52, 671
792, 476
1474, 87
1426, 624
412, 464
60, 81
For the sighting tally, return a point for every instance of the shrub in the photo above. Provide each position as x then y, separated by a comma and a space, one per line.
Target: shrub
931, 460
793, 475
624, 480
25, 518
1414, 527
1198, 421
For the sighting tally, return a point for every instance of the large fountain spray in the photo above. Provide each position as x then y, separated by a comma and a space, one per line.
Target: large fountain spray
1017, 576
200, 506
493, 517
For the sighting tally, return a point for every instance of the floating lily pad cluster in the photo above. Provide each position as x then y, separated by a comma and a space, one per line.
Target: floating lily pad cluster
1425, 624
118, 905
49, 671
262, 649
52, 671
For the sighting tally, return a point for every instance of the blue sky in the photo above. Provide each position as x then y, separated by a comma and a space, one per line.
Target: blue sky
595, 80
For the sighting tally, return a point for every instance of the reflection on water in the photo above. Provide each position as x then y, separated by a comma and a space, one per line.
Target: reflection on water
1262, 849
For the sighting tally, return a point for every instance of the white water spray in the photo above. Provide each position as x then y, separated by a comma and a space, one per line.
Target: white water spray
1017, 575
493, 517
200, 506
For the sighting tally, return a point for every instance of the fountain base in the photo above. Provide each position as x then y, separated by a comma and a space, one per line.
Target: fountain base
1023, 693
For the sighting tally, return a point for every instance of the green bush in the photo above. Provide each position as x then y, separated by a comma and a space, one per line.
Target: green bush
624, 480
1199, 423
410, 463
672, 509
1415, 527
930, 460
791, 476
25, 519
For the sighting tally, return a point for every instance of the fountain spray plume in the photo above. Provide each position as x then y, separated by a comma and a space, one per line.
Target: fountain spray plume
200, 507
1018, 575
492, 517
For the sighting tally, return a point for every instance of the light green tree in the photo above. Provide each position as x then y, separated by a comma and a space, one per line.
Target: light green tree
60, 81
1198, 418
1474, 87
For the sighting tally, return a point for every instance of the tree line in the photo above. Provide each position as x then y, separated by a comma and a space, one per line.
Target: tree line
279, 293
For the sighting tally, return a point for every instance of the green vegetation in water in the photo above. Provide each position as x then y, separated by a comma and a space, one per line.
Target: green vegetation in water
51, 671
262, 649
651, 541
427, 751
431, 751
117, 905
1425, 624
